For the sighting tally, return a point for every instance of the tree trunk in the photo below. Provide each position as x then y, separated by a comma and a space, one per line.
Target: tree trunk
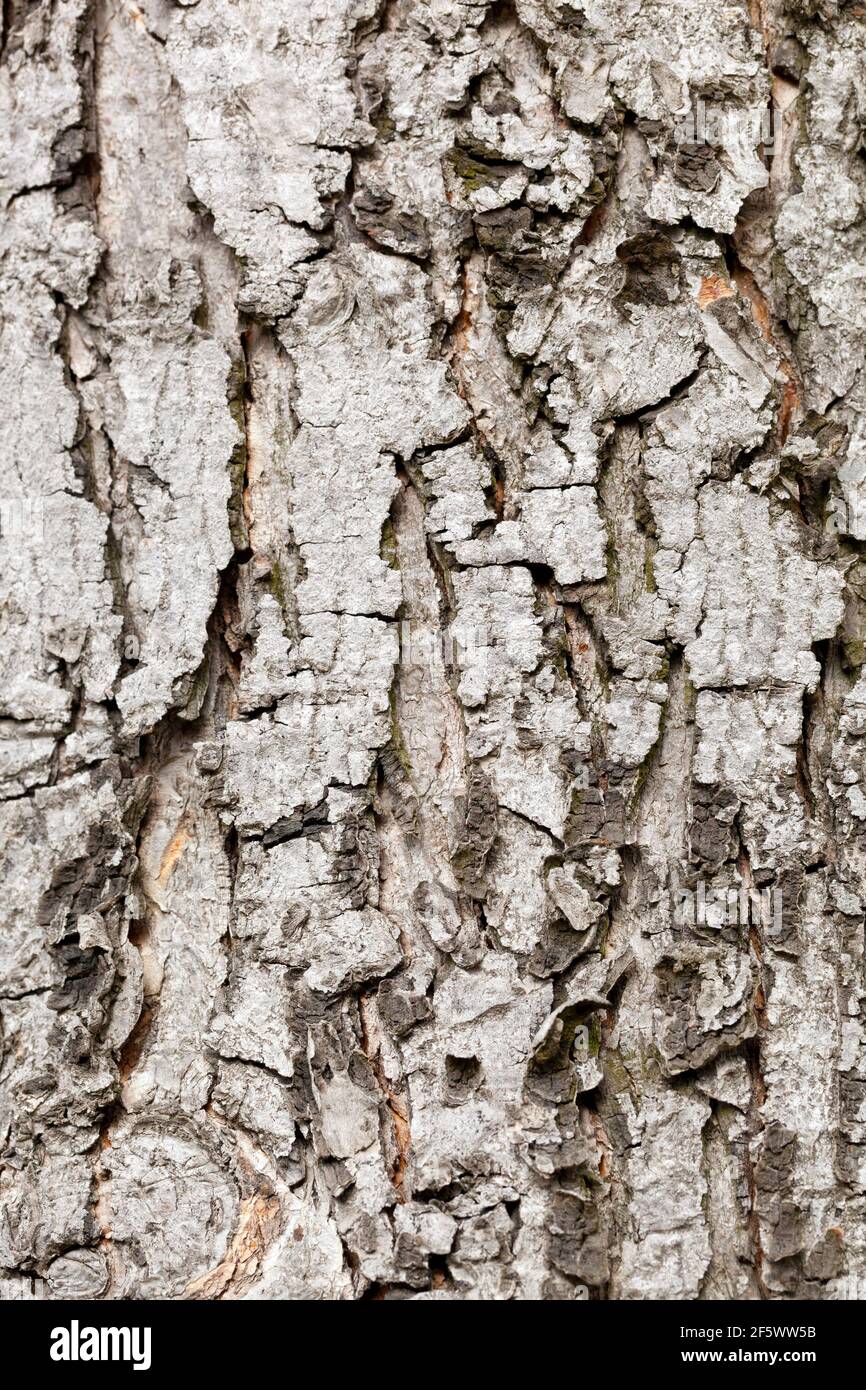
433, 625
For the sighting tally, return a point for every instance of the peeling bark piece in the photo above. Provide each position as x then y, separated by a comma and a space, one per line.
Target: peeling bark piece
705, 1003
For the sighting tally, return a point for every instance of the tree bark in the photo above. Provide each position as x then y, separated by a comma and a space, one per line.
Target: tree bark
432, 633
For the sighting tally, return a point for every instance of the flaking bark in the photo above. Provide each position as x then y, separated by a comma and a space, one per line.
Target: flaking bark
433, 490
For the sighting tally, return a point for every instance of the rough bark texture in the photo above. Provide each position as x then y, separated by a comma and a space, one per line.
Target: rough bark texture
432, 556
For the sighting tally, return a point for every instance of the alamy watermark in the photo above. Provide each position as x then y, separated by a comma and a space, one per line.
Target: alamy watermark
717, 908
460, 645
77, 1343
726, 126
22, 519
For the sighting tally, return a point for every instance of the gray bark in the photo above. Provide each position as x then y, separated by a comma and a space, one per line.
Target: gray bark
432, 522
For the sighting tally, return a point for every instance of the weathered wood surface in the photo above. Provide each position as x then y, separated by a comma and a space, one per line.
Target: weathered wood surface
432, 509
